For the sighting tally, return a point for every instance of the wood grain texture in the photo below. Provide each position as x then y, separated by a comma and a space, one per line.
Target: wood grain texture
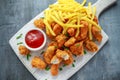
16, 13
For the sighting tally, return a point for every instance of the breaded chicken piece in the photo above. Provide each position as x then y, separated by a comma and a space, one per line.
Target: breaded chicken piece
57, 29
37, 62
70, 60
91, 46
54, 69
39, 23
62, 54
96, 34
71, 31
83, 31
55, 60
52, 43
23, 50
70, 42
49, 54
53, 24
77, 48
61, 39
95, 19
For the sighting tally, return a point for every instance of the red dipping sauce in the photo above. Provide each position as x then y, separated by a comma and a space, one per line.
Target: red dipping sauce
34, 38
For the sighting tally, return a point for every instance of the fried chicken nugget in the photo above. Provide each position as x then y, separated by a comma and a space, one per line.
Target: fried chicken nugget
83, 31
77, 48
49, 54
55, 60
91, 46
70, 60
96, 34
57, 29
71, 31
54, 69
62, 54
70, 42
39, 23
61, 39
23, 50
37, 62
52, 43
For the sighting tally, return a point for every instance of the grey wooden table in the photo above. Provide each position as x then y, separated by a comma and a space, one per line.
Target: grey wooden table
16, 13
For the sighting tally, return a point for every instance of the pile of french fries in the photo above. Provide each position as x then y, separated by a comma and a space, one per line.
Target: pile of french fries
68, 13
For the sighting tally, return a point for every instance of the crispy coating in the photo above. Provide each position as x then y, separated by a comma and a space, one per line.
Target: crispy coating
53, 43
91, 46
23, 50
70, 42
95, 19
57, 29
70, 60
77, 48
61, 39
53, 24
96, 33
71, 31
55, 60
54, 69
49, 54
62, 54
39, 23
83, 31
37, 62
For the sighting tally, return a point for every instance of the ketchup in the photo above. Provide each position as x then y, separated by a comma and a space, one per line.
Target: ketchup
34, 38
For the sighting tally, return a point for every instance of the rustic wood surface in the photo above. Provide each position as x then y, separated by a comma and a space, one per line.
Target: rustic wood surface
16, 13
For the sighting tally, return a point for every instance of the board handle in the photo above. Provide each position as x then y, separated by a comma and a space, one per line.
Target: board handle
102, 5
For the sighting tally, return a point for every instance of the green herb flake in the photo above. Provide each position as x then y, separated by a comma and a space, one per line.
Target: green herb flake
67, 35
85, 52
19, 43
42, 52
60, 69
18, 37
47, 68
75, 55
73, 65
77, 45
28, 56
66, 48
64, 65
45, 79
56, 47
74, 60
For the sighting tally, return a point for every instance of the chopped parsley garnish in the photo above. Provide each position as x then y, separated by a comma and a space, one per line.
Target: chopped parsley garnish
77, 45
85, 52
74, 60
45, 79
28, 56
42, 52
60, 69
75, 55
64, 65
19, 43
18, 37
56, 47
67, 35
66, 48
73, 65
47, 68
